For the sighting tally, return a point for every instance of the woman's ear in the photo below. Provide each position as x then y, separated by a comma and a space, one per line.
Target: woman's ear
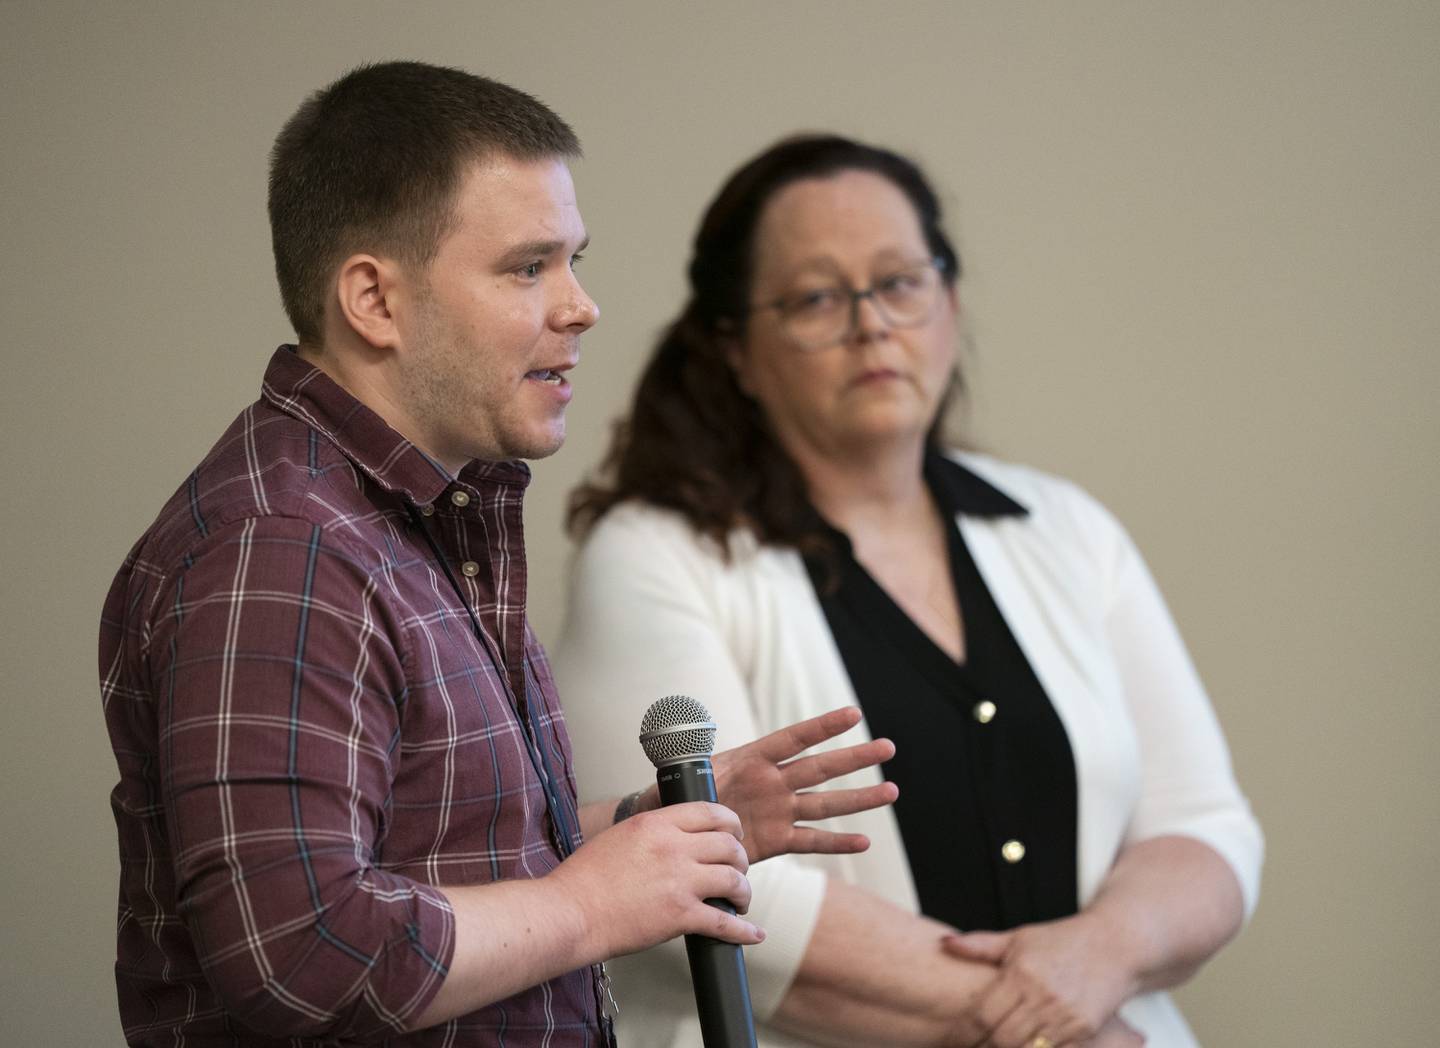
952, 292
736, 355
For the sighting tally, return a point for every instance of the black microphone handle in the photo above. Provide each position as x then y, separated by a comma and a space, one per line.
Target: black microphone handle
717, 968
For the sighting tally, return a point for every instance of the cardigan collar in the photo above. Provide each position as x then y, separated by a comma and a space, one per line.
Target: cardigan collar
961, 492
958, 491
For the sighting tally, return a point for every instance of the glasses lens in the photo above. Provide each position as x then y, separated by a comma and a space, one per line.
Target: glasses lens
907, 297
816, 318
823, 316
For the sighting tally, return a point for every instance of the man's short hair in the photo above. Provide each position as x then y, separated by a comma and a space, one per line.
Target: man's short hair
373, 162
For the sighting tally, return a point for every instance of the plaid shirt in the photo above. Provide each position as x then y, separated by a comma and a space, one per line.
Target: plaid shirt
313, 734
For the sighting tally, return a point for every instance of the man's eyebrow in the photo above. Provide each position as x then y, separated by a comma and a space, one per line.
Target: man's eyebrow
533, 249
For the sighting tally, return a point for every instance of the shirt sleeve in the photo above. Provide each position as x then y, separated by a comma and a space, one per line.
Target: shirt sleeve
646, 619
278, 671
1187, 784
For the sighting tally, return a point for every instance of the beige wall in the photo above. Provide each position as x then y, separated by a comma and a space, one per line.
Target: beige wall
1204, 251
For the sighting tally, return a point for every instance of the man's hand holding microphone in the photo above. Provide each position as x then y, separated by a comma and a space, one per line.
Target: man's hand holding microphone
674, 861
656, 865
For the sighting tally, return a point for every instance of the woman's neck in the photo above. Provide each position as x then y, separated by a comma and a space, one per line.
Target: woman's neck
877, 488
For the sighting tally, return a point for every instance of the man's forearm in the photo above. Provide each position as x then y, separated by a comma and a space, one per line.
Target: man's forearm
509, 936
644, 881
873, 975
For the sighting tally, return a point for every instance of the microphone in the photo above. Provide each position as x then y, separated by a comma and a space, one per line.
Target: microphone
678, 736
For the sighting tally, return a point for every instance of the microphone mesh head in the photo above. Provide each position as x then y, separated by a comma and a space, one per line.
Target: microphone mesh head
676, 727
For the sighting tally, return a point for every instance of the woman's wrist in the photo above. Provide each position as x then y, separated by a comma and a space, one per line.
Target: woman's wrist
1120, 945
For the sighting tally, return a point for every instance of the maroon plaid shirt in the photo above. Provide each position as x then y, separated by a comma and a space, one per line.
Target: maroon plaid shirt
313, 733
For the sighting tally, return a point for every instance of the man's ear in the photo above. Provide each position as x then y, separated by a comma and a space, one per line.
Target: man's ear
366, 289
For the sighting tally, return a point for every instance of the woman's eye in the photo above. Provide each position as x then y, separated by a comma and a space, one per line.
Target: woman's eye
576, 259
531, 271
899, 283
814, 301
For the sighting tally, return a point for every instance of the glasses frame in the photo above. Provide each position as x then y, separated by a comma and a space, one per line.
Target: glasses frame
936, 263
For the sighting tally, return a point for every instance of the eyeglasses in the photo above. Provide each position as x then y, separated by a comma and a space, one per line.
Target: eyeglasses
824, 316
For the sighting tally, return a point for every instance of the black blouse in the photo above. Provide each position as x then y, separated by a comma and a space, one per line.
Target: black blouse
987, 807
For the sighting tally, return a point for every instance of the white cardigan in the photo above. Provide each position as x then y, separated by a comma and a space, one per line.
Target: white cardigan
655, 610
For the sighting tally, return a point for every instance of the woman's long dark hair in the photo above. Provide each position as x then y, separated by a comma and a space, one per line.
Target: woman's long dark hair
694, 442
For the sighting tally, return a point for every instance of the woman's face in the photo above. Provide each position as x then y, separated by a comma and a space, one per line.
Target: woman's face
877, 384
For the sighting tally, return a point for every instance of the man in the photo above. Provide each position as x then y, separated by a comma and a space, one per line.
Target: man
346, 809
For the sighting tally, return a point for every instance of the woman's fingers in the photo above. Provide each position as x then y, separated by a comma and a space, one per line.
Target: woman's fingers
996, 1007
989, 947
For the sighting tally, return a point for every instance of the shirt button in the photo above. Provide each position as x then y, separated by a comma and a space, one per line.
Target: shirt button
984, 711
469, 569
459, 498
427, 510
1012, 851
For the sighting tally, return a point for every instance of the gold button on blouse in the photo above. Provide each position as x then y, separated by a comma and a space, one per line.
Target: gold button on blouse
469, 569
1012, 851
459, 498
984, 711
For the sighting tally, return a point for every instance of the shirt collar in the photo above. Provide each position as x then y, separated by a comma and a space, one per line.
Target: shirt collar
961, 492
957, 491
303, 391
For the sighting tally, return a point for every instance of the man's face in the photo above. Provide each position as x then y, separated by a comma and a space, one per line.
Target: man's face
496, 318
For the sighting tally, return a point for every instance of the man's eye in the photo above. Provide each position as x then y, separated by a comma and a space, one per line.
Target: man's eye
531, 271
576, 259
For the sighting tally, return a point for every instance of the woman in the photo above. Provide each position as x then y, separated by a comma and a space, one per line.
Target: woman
782, 530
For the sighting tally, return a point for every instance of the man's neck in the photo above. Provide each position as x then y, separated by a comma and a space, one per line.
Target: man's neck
359, 370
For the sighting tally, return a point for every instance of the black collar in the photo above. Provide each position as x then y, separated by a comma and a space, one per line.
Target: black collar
961, 492
957, 491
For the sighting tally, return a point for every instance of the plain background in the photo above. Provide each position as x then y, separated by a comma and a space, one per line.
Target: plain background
1203, 252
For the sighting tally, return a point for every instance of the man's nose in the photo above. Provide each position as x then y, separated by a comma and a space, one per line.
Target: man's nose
579, 310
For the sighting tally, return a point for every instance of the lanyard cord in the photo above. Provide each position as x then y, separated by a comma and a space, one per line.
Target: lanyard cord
562, 834
561, 824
